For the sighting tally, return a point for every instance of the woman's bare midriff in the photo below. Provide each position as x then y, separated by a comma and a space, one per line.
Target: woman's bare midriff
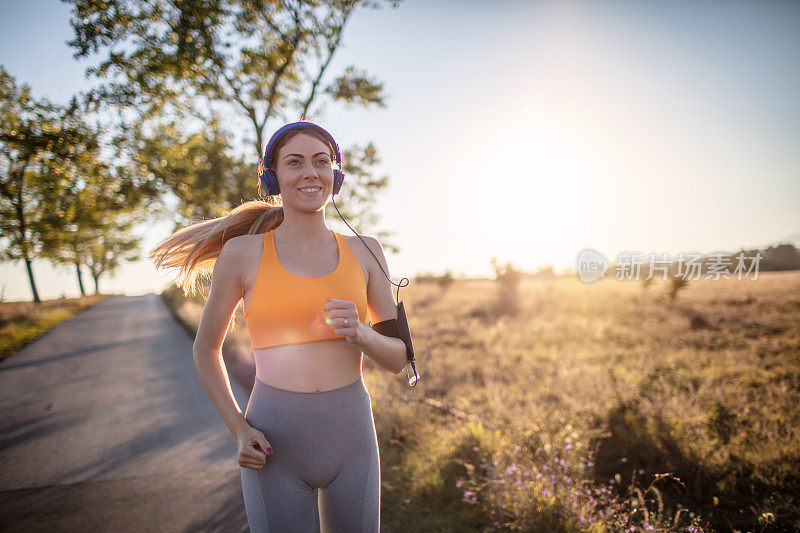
310, 366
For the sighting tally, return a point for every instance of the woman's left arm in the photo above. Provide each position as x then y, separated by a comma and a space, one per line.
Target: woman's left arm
388, 353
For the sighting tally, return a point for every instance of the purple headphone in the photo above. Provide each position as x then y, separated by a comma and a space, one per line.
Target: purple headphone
268, 179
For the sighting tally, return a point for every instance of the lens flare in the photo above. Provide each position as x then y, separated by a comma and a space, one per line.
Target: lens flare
320, 325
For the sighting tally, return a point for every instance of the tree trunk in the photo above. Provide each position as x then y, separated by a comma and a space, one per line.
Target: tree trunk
36, 299
80, 278
23, 243
96, 284
258, 146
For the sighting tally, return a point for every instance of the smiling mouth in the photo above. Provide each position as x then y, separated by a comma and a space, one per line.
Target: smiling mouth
310, 190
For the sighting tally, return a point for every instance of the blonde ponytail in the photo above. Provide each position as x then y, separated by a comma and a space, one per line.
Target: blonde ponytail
195, 248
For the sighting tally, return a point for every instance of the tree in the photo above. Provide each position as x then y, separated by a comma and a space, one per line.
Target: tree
67, 219
253, 54
36, 138
110, 247
96, 208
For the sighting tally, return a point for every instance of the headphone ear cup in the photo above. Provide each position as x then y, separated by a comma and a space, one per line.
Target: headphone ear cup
269, 181
338, 179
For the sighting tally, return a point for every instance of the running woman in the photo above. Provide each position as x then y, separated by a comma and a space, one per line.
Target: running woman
307, 448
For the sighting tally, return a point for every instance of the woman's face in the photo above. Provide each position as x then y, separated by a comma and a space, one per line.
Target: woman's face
303, 162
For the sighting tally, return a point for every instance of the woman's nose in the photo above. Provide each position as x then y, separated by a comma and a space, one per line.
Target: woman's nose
310, 170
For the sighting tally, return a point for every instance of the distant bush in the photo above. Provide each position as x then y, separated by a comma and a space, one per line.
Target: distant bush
545, 272
425, 277
675, 285
780, 257
445, 280
508, 296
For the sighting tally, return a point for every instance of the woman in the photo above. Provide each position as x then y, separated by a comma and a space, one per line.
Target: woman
307, 446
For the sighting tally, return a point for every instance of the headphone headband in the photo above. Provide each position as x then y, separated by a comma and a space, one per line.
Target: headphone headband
296, 125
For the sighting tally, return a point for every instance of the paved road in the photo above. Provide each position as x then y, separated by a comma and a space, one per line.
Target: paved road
105, 426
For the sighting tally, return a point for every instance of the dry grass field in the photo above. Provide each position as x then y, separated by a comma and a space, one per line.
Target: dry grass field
594, 407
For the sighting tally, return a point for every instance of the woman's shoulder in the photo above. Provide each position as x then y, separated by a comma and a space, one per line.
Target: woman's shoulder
243, 254
366, 256
244, 248
357, 243
242, 244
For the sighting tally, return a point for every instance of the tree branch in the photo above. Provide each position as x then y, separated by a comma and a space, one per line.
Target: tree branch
273, 91
236, 92
331, 50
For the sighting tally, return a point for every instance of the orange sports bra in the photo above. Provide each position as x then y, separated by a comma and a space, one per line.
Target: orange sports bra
289, 309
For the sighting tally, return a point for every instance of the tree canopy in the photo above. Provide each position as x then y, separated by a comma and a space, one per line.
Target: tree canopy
265, 58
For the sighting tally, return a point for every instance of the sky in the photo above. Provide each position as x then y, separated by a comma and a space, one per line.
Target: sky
526, 131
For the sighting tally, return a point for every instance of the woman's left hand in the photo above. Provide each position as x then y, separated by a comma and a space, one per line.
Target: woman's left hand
339, 311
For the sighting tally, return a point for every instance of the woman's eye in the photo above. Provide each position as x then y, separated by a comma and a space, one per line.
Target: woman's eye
323, 161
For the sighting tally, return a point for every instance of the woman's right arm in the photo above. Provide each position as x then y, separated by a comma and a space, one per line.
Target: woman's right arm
226, 291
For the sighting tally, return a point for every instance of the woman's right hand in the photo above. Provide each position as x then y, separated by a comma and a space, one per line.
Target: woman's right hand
253, 448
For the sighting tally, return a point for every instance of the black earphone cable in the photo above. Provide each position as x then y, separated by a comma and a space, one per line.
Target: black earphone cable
373, 255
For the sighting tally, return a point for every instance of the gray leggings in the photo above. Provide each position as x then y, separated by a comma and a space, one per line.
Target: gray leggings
320, 440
